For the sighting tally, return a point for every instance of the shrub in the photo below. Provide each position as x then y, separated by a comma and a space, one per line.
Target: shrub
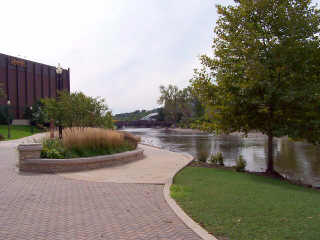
52, 148
2, 137
37, 116
240, 164
51, 153
217, 159
4, 112
202, 155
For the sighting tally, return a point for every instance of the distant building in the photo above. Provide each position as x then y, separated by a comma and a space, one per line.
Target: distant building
151, 116
25, 82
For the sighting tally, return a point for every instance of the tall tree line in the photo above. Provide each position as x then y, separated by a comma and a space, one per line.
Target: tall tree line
179, 105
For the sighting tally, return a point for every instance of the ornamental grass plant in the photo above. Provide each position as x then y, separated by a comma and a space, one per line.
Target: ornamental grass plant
217, 159
91, 138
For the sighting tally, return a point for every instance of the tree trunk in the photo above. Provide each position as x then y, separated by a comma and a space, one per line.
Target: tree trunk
270, 154
60, 132
51, 129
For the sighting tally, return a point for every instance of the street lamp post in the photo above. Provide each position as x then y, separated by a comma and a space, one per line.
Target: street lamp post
8, 119
59, 71
31, 121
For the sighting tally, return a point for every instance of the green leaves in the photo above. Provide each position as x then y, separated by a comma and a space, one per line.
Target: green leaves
77, 109
179, 103
265, 71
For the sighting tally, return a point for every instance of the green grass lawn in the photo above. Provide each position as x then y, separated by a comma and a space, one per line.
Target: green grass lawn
242, 206
17, 131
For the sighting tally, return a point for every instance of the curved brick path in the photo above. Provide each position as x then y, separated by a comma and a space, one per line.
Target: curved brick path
47, 206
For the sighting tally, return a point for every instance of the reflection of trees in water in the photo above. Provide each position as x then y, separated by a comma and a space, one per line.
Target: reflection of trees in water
298, 160
203, 147
295, 159
230, 146
258, 160
251, 148
254, 157
176, 142
307, 157
313, 156
285, 157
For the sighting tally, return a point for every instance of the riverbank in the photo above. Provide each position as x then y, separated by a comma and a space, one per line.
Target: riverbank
297, 161
184, 130
241, 206
194, 131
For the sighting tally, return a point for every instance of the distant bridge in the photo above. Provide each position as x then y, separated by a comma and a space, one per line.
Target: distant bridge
142, 124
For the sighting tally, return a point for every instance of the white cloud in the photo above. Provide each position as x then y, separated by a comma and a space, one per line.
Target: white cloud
118, 49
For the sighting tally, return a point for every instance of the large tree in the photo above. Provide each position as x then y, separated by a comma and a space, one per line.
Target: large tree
170, 99
179, 104
264, 75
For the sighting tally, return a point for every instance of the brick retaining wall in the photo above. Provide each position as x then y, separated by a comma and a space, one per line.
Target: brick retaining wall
30, 161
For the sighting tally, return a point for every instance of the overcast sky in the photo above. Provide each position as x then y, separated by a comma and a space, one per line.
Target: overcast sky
121, 50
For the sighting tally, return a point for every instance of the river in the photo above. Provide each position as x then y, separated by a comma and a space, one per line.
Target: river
297, 161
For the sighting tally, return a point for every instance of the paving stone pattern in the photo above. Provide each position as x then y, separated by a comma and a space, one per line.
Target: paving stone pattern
48, 206
156, 167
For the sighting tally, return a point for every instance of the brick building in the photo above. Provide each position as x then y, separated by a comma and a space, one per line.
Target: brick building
25, 82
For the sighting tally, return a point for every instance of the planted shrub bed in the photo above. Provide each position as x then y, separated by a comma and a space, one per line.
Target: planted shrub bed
80, 149
88, 142
54, 149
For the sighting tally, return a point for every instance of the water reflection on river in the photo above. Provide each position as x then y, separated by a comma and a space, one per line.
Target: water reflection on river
295, 160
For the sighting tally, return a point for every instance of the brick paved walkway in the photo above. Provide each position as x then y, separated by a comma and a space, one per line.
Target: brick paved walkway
47, 206
156, 167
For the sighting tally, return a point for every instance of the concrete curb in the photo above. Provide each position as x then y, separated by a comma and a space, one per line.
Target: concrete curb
149, 145
201, 232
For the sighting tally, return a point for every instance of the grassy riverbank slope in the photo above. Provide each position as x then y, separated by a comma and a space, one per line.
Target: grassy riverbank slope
17, 131
240, 206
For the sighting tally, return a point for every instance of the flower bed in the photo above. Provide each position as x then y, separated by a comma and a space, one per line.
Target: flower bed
80, 149
88, 142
